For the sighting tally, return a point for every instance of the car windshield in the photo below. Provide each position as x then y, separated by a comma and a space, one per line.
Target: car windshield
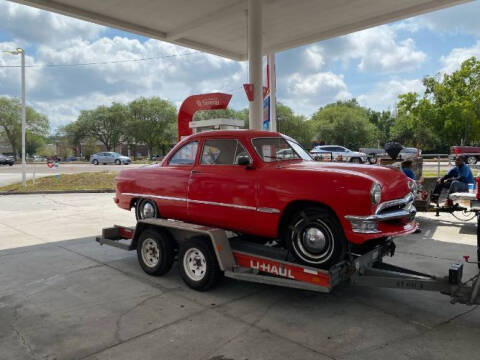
278, 149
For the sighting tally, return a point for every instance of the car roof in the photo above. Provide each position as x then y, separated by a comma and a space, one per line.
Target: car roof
240, 133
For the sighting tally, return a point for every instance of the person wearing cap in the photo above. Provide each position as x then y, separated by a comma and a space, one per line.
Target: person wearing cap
456, 180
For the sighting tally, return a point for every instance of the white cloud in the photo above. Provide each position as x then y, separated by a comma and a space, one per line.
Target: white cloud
29, 25
385, 94
307, 93
376, 50
175, 74
454, 59
458, 19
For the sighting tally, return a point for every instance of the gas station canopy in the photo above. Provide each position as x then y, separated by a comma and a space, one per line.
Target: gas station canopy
220, 26
241, 29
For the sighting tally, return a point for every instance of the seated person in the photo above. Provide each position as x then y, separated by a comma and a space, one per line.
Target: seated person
407, 169
456, 180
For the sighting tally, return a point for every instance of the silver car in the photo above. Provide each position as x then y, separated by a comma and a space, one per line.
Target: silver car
340, 152
109, 158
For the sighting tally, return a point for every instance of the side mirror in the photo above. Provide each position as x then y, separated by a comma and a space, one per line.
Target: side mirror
244, 161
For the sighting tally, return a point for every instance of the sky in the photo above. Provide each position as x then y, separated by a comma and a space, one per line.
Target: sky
374, 65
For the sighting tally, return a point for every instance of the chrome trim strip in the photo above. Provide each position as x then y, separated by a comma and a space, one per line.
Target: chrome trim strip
384, 217
403, 201
222, 204
156, 196
171, 198
268, 210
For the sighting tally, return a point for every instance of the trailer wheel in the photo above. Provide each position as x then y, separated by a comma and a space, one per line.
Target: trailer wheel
198, 264
155, 251
315, 237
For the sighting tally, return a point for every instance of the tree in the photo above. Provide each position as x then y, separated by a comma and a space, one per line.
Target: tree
455, 101
344, 123
106, 124
37, 125
155, 122
295, 126
383, 121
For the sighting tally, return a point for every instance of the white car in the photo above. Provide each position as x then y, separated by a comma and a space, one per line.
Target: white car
340, 153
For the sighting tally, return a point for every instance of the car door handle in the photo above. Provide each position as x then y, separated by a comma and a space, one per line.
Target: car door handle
196, 172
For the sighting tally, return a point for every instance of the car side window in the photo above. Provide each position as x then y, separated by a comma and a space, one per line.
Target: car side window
185, 155
222, 152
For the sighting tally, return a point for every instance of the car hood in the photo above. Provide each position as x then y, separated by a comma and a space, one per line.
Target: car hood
394, 183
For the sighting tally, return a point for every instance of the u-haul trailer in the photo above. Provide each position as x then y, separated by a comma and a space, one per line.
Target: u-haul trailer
205, 254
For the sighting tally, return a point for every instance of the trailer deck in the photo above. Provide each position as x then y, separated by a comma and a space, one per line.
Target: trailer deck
251, 261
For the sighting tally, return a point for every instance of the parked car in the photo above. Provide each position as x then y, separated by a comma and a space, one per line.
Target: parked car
7, 160
236, 180
409, 152
372, 154
71, 158
471, 153
340, 152
109, 158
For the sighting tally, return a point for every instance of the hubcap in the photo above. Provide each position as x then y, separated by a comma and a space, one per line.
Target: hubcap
314, 240
195, 264
148, 210
150, 252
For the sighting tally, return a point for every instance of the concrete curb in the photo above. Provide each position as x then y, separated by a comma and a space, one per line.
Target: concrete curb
55, 192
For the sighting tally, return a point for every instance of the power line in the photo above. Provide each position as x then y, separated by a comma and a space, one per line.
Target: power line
103, 62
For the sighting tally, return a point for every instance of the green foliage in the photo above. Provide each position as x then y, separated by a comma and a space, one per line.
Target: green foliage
344, 123
90, 147
37, 125
295, 126
153, 122
106, 124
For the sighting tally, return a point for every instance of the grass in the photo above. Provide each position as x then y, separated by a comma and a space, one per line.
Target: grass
67, 182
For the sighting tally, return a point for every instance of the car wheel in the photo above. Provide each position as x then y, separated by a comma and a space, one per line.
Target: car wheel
471, 160
155, 251
198, 264
95, 162
10, 164
355, 160
372, 160
146, 209
315, 237
118, 162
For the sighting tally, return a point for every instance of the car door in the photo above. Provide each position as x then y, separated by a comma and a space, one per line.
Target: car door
109, 157
169, 183
222, 193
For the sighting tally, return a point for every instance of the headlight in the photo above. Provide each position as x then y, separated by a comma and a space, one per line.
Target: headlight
375, 193
412, 185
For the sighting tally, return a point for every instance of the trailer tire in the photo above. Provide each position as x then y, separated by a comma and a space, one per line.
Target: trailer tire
315, 237
155, 251
198, 264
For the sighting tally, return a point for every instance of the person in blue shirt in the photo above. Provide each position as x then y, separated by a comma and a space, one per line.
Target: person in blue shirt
456, 180
407, 169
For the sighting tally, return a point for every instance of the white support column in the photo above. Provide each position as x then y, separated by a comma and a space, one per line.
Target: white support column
272, 80
255, 48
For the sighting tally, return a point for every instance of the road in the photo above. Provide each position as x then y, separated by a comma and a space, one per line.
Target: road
13, 174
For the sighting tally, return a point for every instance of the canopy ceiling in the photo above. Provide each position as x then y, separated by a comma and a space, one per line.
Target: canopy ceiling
220, 26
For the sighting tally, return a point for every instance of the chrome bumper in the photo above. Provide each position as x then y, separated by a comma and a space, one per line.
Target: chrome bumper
404, 208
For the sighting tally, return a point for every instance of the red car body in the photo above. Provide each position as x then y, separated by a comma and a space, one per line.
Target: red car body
255, 199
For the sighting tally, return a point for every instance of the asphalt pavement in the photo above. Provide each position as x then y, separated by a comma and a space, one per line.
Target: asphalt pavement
62, 296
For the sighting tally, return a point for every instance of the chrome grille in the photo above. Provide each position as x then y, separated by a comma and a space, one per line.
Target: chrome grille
405, 203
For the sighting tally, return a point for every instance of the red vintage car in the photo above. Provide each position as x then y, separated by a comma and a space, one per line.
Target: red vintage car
265, 184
